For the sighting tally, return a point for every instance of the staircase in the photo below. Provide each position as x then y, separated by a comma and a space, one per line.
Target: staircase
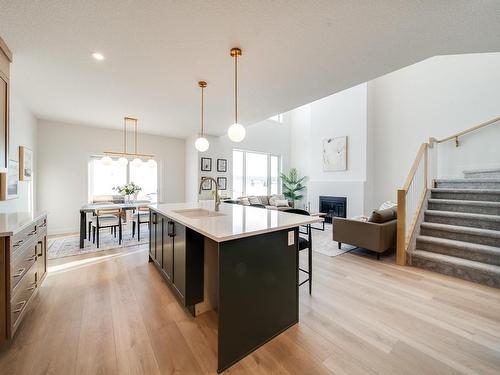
460, 232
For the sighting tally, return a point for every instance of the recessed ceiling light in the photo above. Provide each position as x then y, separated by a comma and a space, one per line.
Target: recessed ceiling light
98, 56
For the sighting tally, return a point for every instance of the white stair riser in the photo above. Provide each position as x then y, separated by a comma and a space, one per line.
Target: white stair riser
466, 273
458, 236
470, 254
473, 209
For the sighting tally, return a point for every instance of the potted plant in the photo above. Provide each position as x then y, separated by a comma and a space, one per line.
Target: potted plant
128, 190
293, 185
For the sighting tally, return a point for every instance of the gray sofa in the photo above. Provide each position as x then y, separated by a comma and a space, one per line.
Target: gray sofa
264, 201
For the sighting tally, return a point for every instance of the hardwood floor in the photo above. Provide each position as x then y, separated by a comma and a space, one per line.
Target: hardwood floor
111, 313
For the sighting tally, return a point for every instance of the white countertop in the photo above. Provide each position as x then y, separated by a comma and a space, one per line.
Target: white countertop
14, 222
237, 221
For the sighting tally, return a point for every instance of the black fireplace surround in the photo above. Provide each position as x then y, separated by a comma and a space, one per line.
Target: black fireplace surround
333, 207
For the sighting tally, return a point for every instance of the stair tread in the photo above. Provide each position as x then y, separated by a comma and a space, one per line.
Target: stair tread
462, 229
468, 180
460, 244
457, 261
484, 170
466, 215
472, 191
465, 202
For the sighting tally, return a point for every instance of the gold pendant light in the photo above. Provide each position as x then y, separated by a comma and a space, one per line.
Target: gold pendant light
123, 156
236, 132
201, 142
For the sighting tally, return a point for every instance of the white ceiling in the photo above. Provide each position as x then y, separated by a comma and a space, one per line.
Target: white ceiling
294, 52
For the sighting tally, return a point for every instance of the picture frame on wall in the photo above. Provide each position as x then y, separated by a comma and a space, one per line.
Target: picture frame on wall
25, 164
335, 154
9, 182
222, 183
206, 164
221, 165
207, 184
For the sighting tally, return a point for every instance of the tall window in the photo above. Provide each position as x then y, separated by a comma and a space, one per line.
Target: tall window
102, 178
255, 173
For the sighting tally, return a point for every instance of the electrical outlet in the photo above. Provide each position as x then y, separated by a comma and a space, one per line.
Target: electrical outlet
291, 238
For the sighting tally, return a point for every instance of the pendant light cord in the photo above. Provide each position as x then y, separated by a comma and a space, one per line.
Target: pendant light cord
202, 112
124, 135
236, 88
135, 137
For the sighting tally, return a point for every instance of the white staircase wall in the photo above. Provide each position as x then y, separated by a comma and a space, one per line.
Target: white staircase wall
437, 97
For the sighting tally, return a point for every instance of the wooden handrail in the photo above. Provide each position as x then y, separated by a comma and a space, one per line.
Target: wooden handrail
404, 228
474, 128
414, 166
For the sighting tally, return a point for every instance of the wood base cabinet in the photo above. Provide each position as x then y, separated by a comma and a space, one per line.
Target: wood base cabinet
23, 267
178, 254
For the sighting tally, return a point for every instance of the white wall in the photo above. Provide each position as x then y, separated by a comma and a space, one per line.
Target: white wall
191, 170
341, 114
434, 98
23, 132
266, 136
63, 154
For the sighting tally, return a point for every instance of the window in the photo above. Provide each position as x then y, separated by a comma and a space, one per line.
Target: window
255, 173
102, 178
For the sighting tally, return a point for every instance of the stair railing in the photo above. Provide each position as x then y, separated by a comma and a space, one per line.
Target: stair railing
411, 197
460, 134
410, 200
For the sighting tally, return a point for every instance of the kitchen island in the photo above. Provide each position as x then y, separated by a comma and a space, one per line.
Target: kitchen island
240, 261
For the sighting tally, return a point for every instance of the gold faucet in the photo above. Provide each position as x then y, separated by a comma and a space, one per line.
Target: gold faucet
217, 198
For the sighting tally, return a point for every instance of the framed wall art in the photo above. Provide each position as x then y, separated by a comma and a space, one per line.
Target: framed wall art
222, 183
335, 154
9, 182
221, 165
25, 164
206, 185
206, 164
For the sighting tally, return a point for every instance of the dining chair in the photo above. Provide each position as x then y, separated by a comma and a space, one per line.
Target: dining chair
305, 243
107, 218
141, 216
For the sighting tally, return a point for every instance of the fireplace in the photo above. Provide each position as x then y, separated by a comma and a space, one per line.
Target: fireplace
333, 207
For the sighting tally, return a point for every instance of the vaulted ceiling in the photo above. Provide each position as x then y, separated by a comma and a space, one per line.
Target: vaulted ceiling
155, 51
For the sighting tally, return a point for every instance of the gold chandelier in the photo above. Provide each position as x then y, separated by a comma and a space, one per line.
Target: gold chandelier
124, 155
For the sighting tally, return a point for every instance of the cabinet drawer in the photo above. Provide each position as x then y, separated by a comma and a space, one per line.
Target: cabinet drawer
22, 295
22, 237
21, 263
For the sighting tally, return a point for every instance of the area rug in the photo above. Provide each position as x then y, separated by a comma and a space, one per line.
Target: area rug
323, 243
66, 246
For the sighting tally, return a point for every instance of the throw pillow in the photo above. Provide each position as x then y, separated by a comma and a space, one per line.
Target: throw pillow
386, 205
382, 216
276, 197
360, 218
244, 201
282, 203
254, 200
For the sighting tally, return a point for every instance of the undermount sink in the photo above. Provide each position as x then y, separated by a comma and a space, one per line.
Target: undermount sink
195, 213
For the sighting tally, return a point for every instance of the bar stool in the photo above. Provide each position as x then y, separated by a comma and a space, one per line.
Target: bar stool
305, 243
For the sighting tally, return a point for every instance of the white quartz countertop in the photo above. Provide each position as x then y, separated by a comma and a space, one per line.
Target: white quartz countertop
12, 223
235, 221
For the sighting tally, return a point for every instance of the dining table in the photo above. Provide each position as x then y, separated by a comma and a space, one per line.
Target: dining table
93, 207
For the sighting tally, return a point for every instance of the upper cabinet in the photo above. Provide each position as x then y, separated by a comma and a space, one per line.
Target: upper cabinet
5, 60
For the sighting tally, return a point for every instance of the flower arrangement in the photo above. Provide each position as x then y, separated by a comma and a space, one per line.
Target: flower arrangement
128, 189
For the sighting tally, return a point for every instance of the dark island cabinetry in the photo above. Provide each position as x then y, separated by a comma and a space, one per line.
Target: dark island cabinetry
178, 254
